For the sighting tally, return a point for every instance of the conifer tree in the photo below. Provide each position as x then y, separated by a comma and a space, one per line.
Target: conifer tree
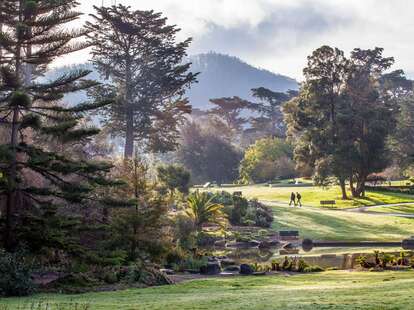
138, 52
36, 179
270, 120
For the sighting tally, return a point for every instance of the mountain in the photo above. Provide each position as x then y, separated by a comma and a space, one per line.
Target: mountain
227, 76
220, 76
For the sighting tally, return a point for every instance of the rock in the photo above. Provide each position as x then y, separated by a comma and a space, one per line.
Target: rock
268, 244
192, 271
259, 273
167, 271
246, 269
227, 262
233, 268
220, 243
246, 244
212, 268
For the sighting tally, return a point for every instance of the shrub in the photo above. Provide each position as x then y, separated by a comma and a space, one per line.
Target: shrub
15, 274
241, 211
206, 239
275, 265
191, 264
302, 265
313, 269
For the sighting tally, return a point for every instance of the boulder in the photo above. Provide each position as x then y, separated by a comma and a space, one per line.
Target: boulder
220, 243
211, 268
244, 244
268, 244
227, 262
246, 269
167, 271
233, 268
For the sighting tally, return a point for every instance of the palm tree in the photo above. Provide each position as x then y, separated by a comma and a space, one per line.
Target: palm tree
202, 210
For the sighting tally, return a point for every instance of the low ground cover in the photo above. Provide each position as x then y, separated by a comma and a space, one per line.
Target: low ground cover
311, 196
327, 290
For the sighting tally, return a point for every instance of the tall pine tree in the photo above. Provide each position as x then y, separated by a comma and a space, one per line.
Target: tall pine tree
138, 52
36, 179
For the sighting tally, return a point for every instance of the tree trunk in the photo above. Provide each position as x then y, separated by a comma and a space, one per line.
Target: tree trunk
359, 190
129, 135
12, 185
343, 189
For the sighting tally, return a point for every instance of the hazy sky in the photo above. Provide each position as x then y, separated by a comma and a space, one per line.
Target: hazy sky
278, 34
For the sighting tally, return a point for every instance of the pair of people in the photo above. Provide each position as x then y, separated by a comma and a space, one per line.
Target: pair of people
295, 199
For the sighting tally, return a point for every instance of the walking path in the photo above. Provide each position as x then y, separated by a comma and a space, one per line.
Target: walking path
363, 209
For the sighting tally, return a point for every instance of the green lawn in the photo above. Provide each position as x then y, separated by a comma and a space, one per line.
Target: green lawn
405, 209
312, 195
322, 224
328, 290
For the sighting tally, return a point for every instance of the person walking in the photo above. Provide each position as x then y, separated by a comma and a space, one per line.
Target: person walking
292, 199
298, 198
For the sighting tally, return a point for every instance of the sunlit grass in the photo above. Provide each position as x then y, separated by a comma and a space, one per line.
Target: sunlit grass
322, 224
328, 290
312, 195
404, 209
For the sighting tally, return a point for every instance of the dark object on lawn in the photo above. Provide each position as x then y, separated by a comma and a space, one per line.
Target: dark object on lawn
246, 269
328, 202
211, 268
259, 273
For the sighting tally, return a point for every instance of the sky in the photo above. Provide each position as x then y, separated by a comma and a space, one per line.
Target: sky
278, 35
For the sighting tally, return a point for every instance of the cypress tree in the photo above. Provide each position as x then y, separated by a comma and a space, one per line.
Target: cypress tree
138, 52
35, 179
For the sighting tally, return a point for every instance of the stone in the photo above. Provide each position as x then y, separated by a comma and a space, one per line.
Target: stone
227, 262
167, 271
212, 268
233, 268
246, 269
220, 243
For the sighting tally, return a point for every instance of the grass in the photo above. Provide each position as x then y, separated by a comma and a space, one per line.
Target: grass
404, 209
311, 196
327, 290
322, 224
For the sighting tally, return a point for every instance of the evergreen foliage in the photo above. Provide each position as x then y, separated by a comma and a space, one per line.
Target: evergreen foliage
37, 179
138, 52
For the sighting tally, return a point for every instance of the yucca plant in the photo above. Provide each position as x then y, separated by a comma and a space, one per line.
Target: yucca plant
202, 209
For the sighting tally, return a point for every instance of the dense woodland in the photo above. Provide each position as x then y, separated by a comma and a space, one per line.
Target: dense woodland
71, 201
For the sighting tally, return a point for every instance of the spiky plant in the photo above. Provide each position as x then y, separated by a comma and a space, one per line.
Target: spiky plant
37, 179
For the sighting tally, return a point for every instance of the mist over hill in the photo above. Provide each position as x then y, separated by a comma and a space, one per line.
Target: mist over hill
220, 76
227, 76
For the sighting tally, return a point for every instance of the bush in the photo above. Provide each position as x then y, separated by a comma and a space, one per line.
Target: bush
302, 265
313, 269
15, 274
147, 275
206, 239
241, 211
191, 264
